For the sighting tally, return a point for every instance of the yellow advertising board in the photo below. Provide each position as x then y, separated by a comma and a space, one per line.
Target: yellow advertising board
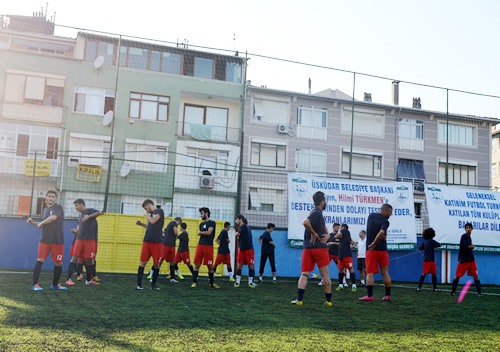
42, 167
89, 173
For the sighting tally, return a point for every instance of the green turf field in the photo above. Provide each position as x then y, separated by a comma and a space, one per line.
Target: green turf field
116, 317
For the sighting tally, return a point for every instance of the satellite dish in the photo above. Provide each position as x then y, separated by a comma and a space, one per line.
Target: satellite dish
98, 62
125, 170
108, 117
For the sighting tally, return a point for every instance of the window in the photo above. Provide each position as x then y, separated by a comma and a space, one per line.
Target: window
233, 72
149, 107
457, 134
363, 163
23, 145
270, 110
146, 156
268, 154
171, 63
412, 171
310, 160
35, 89
494, 170
494, 144
366, 122
312, 122
94, 101
411, 134
205, 123
205, 161
203, 67
94, 49
266, 200
88, 150
458, 174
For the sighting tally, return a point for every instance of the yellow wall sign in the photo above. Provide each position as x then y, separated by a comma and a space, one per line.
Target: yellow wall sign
42, 167
89, 173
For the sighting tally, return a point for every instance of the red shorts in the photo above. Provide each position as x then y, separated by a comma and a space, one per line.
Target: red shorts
429, 268
223, 259
345, 263
204, 255
151, 249
57, 251
182, 257
470, 267
168, 253
335, 258
85, 249
246, 257
374, 257
313, 256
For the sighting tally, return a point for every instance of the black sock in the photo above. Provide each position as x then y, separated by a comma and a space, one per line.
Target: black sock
388, 291
251, 273
478, 286
238, 272
421, 281
172, 272
36, 271
341, 279
88, 269
328, 297
152, 267
195, 276
454, 285
229, 270
211, 277
369, 289
140, 274
176, 267
156, 272
57, 275
353, 278
79, 268
71, 269
300, 294
191, 269
434, 282
94, 270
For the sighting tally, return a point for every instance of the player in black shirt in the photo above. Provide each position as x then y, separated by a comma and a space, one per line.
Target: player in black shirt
429, 262
345, 256
223, 253
205, 248
266, 241
182, 254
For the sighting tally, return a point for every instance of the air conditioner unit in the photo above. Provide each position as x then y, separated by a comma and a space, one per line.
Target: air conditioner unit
282, 128
207, 181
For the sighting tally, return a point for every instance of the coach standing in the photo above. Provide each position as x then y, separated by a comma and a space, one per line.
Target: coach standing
376, 251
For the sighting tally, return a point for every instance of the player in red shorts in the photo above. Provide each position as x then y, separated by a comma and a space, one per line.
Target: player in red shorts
51, 240
429, 262
69, 281
466, 261
182, 254
85, 244
376, 251
333, 246
345, 257
246, 255
151, 244
168, 251
223, 253
315, 250
205, 248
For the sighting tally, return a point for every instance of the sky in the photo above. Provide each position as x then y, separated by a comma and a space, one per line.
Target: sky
445, 43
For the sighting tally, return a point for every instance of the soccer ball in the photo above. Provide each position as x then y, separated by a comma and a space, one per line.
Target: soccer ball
314, 276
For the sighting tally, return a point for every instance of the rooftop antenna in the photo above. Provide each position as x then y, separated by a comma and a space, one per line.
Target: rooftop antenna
234, 40
46, 10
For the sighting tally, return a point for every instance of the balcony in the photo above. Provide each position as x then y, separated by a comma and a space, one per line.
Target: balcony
12, 164
210, 133
412, 144
33, 113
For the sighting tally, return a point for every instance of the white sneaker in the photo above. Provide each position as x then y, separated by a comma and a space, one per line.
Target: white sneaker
173, 280
320, 283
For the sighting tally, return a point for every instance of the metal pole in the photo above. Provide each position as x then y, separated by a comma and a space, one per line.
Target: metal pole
352, 124
447, 129
110, 157
33, 184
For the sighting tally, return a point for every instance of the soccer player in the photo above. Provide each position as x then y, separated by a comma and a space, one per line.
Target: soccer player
168, 252
69, 281
315, 250
267, 244
205, 248
182, 254
466, 261
51, 240
223, 253
362, 256
85, 244
151, 244
376, 251
345, 256
333, 247
429, 262
246, 254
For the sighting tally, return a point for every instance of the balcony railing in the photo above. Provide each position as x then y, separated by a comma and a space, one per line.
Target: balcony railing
202, 132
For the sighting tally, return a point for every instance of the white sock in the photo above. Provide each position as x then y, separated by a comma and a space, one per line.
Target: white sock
260, 278
231, 275
353, 285
151, 272
178, 272
250, 280
363, 282
238, 279
274, 278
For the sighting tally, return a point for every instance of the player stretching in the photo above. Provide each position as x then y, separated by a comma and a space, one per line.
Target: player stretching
223, 253
246, 254
168, 252
151, 244
376, 251
345, 256
466, 261
333, 247
266, 241
85, 244
51, 240
72, 266
182, 254
205, 248
429, 262
315, 250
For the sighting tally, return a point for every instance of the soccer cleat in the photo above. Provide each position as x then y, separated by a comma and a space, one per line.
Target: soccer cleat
419, 289
345, 284
36, 287
154, 288
96, 279
180, 276
259, 281
79, 278
362, 284
150, 276
193, 285
58, 287
174, 281
139, 288
450, 294
366, 298
320, 283
213, 286
480, 295
232, 280
236, 285
297, 302
91, 283
387, 298
275, 281
353, 289
328, 304
252, 285
436, 290
70, 282
340, 288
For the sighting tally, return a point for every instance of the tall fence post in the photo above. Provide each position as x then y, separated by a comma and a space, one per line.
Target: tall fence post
33, 184
352, 125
